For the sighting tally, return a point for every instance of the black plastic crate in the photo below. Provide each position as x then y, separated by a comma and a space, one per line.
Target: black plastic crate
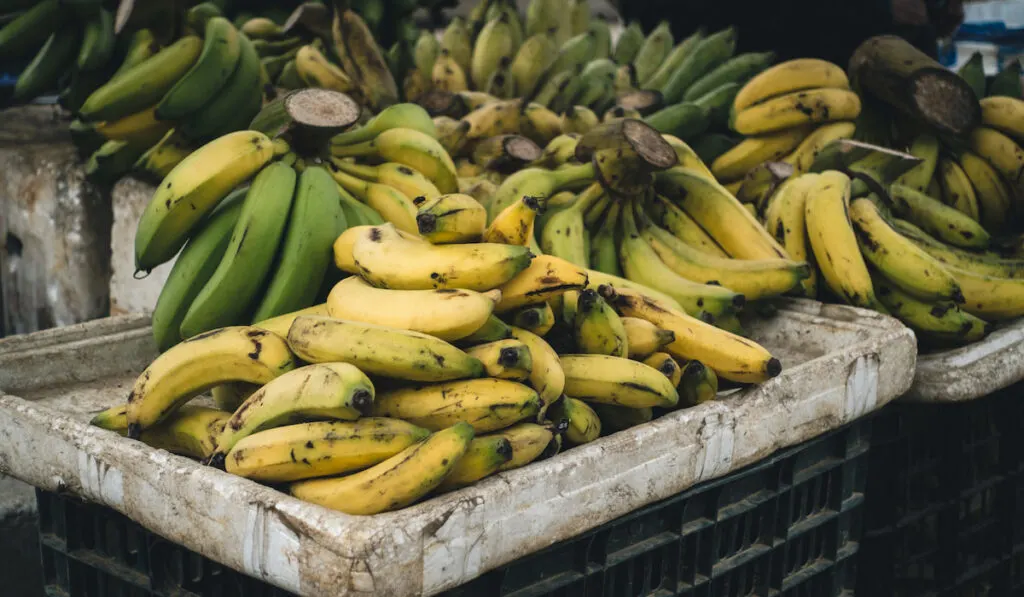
945, 500
788, 526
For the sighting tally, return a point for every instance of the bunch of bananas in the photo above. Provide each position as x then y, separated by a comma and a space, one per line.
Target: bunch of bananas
787, 114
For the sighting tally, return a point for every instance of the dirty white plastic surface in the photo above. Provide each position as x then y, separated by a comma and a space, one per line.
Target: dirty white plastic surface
839, 364
973, 371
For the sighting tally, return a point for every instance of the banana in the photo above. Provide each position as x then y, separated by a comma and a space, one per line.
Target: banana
707, 54
663, 362
672, 62
141, 129
504, 359
505, 153
833, 240
211, 71
528, 440
448, 74
538, 182
805, 153
496, 41
698, 384
410, 147
732, 227
31, 28
1002, 153
189, 431
583, 424
957, 191
644, 338
940, 220
979, 263
995, 199
925, 147
406, 180
282, 323
738, 69
897, 258
320, 391
192, 269
607, 379
346, 240
398, 116
361, 58
316, 220
111, 161
565, 235
425, 53
160, 159
604, 255
394, 483
393, 205
933, 320
261, 28
546, 277
98, 41
628, 43
448, 314
531, 61
317, 72
546, 375
790, 76
514, 225
451, 134
486, 404
755, 279
197, 364
501, 83
388, 260
52, 61
457, 42
492, 330
752, 151
618, 418
547, 17
731, 356
230, 396
797, 108
1005, 114
192, 189
485, 456
653, 52
682, 226
598, 328
454, 218
538, 319
597, 279
320, 449
786, 219
240, 275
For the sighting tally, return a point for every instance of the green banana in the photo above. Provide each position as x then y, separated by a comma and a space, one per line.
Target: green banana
672, 62
602, 37
111, 161
232, 288
707, 54
718, 101
738, 69
31, 29
628, 44
684, 120
653, 52
945, 222
193, 268
98, 41
49, 64
215, 65
234, 106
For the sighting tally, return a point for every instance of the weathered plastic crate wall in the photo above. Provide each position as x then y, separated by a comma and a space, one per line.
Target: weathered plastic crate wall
787, 526
54, 226
945, 499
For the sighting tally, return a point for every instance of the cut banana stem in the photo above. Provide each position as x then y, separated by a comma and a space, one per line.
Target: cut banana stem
317, 115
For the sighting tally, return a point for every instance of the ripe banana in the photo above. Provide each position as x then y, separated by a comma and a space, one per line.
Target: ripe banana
925, 147
240, 275
486, 454
209, 74
786, 219
394, 483
995, 199
393, 205
315, 221
452, 218
598, 328
719, 214
448, 74
940, 220
797, 108
514, 225
538, 319
752, 151
486, 404
898, 259
683, 227
546, 375
192, 189
346, 240
282, 323
731, 356
448, 314
398, 116
957, 191
804, 155
790, 76
388, 260
662, 361
546, 277
645, 338
410, 147
159, 160
321, 391
613, 380
409, 182
1005, 114
1002, 153
933, 320
834, 241
317, 72
528, 441
189, 431
504, 359
492, 330
584, 426
698, 384
192, 269
494, 42
361, 58
240, 353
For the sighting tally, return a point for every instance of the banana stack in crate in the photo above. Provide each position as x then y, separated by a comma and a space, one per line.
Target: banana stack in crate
367, 348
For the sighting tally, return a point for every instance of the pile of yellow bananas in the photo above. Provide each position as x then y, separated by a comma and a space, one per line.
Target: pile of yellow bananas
921, 246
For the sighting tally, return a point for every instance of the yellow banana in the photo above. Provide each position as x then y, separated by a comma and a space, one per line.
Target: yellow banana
1006, 156
752, 151
159, 160
544, 278
141, 129
452, 218
388, 260
411, 147
932, 320
598, 328
318, 72
546, 375
644, 337
785, 219
190, 431
485, 456
486, 404
796, 109
197, 364
995, 199
663, 362
448, 74
538, 319
614, 380
528, 441
803, 156
790, 76
393, 205
957, 191
1005, 114
920, 176
584, 426
394, 483
515, 223
504, 359
683, 227
379, 350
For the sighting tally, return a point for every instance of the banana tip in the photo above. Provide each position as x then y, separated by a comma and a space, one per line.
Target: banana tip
134, 430
217, 460
774, 367
426, 222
